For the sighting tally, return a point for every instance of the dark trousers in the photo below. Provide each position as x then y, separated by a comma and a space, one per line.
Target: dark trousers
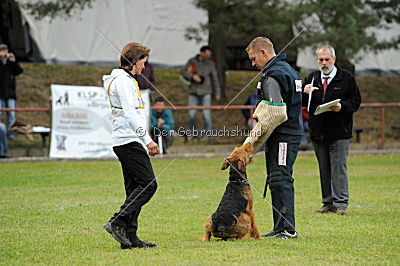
140, 184
280, 155
332, 160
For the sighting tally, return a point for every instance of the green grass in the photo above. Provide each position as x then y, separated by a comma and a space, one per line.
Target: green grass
52, 213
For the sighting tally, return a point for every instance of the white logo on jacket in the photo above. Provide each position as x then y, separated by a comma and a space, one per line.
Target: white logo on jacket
298, 85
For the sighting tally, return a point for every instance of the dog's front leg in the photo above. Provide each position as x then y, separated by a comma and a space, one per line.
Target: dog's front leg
254, 230
207, 229
206, 237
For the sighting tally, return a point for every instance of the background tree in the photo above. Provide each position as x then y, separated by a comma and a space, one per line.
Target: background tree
10, 15
40, 9
233, 23
346, 25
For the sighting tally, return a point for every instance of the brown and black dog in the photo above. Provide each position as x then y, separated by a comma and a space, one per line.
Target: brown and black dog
234, 217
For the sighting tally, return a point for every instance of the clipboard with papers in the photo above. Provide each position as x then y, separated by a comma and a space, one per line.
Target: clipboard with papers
325, 107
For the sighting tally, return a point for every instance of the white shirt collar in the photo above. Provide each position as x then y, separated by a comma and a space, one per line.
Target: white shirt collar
331, 75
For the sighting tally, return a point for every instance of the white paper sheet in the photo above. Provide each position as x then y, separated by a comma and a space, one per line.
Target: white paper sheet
326, 107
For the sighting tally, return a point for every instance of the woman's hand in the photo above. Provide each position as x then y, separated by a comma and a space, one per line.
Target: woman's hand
153, 148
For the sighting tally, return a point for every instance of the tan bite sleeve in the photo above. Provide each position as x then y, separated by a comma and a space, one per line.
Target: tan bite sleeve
269, 115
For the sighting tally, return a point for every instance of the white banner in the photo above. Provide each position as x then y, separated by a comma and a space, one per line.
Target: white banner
81, 122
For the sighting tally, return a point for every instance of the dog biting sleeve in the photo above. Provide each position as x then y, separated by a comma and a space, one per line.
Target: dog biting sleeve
269, 115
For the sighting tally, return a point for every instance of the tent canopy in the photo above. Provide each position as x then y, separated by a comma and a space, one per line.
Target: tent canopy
159, 25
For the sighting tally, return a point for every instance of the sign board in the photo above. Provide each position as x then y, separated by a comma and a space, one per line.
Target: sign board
81, 122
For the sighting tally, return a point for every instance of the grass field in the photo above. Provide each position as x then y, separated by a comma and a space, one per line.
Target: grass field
53, 212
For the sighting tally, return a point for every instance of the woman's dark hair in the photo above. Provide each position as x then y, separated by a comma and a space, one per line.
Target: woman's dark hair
131, 53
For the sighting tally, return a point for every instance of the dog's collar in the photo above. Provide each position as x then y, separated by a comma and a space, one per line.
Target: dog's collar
240, 181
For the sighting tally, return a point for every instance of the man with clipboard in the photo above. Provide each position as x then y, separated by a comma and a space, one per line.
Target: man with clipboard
331, 96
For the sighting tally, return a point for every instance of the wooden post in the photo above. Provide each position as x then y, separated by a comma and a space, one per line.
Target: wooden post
382, 144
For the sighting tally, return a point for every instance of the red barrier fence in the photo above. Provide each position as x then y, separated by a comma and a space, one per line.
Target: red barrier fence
382, 106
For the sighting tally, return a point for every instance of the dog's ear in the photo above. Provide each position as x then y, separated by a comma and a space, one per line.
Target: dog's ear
225, 164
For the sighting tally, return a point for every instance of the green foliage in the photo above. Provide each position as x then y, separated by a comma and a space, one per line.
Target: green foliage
52, 9
346, 25
52, 213
245, 19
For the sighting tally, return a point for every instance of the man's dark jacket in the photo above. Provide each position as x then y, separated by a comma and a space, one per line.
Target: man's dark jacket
286, 77
333, 125
7, 79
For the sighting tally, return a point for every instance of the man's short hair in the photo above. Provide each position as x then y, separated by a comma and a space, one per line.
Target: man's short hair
261, 43
205, 48
159, 99
326, 46
131, 53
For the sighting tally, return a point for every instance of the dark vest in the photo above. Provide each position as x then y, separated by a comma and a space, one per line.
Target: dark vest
285, 75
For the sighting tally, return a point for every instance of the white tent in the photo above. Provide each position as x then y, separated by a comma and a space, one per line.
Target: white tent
160, 25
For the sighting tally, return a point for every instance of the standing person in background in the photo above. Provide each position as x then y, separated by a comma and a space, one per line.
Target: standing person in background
305, 138
3, 141
9, 69
162, 124
249, 121
147, 85
202, 74
131, 144
331, 131
146, 80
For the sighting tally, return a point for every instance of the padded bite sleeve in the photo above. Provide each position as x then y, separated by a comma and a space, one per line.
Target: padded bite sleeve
269, 115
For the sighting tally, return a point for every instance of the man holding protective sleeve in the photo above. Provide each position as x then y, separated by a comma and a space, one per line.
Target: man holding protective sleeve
279, 128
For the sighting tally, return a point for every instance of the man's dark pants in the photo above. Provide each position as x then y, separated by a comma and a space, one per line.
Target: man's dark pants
332, 159
280, 154
140, 184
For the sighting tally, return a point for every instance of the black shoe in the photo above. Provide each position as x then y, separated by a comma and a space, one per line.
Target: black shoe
118, 232
139, 244
269, 234
326, 208
284, 235
149, 244
341, 210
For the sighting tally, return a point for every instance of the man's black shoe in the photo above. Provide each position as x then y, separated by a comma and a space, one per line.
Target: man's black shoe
326, 208
284, 235
270, 234
139, 244
118, 232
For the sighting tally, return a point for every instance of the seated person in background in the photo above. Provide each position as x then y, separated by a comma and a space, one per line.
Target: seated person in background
162, 124
250, 122
3, 141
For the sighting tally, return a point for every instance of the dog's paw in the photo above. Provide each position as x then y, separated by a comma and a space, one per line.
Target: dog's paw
204, 239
